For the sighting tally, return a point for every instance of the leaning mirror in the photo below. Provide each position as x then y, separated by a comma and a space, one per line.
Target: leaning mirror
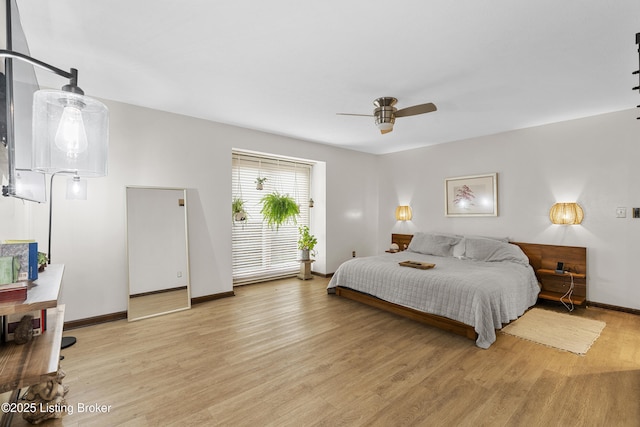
157, 251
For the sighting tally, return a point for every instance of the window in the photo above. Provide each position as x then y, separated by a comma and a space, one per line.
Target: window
260, 253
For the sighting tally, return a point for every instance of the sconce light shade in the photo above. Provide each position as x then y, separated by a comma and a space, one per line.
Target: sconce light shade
403, 213
566, 213
70, 133
76, 188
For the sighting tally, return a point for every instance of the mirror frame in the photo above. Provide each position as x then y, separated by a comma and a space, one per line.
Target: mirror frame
187, 273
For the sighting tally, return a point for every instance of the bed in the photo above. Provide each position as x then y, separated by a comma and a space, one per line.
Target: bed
478, 284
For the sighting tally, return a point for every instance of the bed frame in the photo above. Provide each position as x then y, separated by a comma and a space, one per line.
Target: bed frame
541, 257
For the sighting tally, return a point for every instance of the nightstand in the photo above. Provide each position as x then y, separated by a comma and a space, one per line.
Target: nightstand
555, 285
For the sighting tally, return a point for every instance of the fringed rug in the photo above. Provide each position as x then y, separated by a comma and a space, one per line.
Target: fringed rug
562, 331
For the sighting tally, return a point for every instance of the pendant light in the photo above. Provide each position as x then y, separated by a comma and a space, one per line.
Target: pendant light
70, 133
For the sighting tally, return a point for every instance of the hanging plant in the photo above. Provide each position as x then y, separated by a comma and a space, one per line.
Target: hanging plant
279, 209
260, 183
237, 209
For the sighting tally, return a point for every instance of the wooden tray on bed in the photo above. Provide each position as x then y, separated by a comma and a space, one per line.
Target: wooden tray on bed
417, 264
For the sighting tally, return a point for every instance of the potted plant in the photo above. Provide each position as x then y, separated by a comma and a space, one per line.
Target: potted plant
260, 183
306, 243
237, 209
278, 209
43, 260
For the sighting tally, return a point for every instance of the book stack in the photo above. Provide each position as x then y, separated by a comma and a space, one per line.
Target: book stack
13, 292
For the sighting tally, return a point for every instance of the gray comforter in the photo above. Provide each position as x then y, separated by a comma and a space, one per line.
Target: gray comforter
481, 294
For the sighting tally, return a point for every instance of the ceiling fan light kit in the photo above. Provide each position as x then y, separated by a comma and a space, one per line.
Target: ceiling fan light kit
385, 112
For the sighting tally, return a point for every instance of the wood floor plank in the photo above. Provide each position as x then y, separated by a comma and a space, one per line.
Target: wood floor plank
284, 353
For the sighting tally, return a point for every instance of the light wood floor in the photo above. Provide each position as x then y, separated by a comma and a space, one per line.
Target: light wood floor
163, 302
285, 353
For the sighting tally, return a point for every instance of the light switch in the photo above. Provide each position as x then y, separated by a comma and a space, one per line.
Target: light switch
621, 212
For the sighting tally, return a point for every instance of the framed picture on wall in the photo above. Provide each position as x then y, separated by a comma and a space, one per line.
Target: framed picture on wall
475, 195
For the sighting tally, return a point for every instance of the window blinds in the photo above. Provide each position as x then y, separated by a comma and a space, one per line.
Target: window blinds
260, 253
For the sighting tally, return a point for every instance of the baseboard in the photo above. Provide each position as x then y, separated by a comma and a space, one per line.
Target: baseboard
326, 276
96, 320
613, 307
73, 324
198, 300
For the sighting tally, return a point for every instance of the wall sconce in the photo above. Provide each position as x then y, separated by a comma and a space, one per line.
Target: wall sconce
566, 213
403, 213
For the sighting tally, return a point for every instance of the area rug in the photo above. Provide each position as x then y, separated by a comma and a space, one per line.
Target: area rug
567, 332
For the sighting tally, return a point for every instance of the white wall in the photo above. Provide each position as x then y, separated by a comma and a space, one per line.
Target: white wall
594, 161
153, 148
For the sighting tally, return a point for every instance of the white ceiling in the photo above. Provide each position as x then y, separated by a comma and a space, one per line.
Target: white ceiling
287, 67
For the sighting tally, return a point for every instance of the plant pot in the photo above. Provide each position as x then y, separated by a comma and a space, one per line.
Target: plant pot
240, 216
304, 254
259, 186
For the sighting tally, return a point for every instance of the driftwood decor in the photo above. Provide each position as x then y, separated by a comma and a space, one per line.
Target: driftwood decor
46, 399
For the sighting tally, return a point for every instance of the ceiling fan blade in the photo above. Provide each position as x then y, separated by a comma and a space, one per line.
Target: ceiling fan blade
386, 131
352, 114
416, 109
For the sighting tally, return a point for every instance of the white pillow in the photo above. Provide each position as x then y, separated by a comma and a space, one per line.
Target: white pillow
491, 250
433, 244
459, 248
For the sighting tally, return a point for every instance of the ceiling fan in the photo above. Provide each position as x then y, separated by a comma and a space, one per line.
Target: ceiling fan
385, 112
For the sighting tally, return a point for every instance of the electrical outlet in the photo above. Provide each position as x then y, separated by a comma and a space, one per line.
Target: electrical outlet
621, 212
636, 212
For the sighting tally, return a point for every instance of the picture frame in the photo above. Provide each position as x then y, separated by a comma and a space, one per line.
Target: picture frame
470, 196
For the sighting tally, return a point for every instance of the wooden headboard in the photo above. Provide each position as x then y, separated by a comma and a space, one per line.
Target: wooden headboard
540, 256
402, 240
545, 257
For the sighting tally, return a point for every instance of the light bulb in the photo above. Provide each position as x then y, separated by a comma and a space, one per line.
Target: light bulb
75, 187
71, 136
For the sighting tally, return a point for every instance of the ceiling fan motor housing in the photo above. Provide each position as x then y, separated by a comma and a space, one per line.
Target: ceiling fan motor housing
385, 112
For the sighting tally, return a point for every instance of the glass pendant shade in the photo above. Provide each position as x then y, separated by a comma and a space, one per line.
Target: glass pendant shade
70, 134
